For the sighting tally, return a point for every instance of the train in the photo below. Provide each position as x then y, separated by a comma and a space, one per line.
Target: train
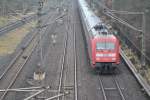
103, 47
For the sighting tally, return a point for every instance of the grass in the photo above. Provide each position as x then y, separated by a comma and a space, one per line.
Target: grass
10, 41
136, 61
3, 21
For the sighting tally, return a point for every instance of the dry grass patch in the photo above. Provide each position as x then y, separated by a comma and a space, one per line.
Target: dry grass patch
10, 41
3, 21
136, 61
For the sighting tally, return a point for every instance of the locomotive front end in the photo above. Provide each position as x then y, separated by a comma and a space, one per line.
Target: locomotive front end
106, 53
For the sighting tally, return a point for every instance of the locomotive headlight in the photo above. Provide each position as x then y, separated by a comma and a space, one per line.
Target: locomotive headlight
106, 55
113, 59
112, 55
97, 58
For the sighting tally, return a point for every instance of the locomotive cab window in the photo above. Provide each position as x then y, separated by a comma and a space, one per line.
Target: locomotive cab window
105, 46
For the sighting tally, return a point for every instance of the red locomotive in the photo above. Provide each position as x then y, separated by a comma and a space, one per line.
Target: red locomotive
103, 47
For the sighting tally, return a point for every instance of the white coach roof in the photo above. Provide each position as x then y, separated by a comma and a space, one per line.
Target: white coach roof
90, 17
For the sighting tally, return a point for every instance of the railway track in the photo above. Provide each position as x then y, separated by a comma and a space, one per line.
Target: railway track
46, 32
23, 47
72, 24
9, 76
75, 57
16, 24
124, 38
19, 54
64, 65
115, 88
75, 68
70, 29
15, 67
60, 85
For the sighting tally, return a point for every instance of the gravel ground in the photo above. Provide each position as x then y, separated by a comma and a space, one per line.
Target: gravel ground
27, 73
53, 54
88, 83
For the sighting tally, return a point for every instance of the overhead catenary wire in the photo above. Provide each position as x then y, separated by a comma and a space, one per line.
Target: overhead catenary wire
121, 21
126, 12
110, 13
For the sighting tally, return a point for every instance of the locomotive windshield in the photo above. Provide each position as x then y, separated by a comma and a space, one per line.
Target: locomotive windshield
105, 46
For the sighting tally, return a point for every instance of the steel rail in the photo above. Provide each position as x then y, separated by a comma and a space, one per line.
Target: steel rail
57, 96
20, 53
17, 57
119, 89
18, 90
56, 91
11, 63
26, 61
102, 87
23, 89
12, 82
75, 52
37, 93
75, 65
63, 63
114, 17
67, 31
19, 70
136, 73
16, 24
